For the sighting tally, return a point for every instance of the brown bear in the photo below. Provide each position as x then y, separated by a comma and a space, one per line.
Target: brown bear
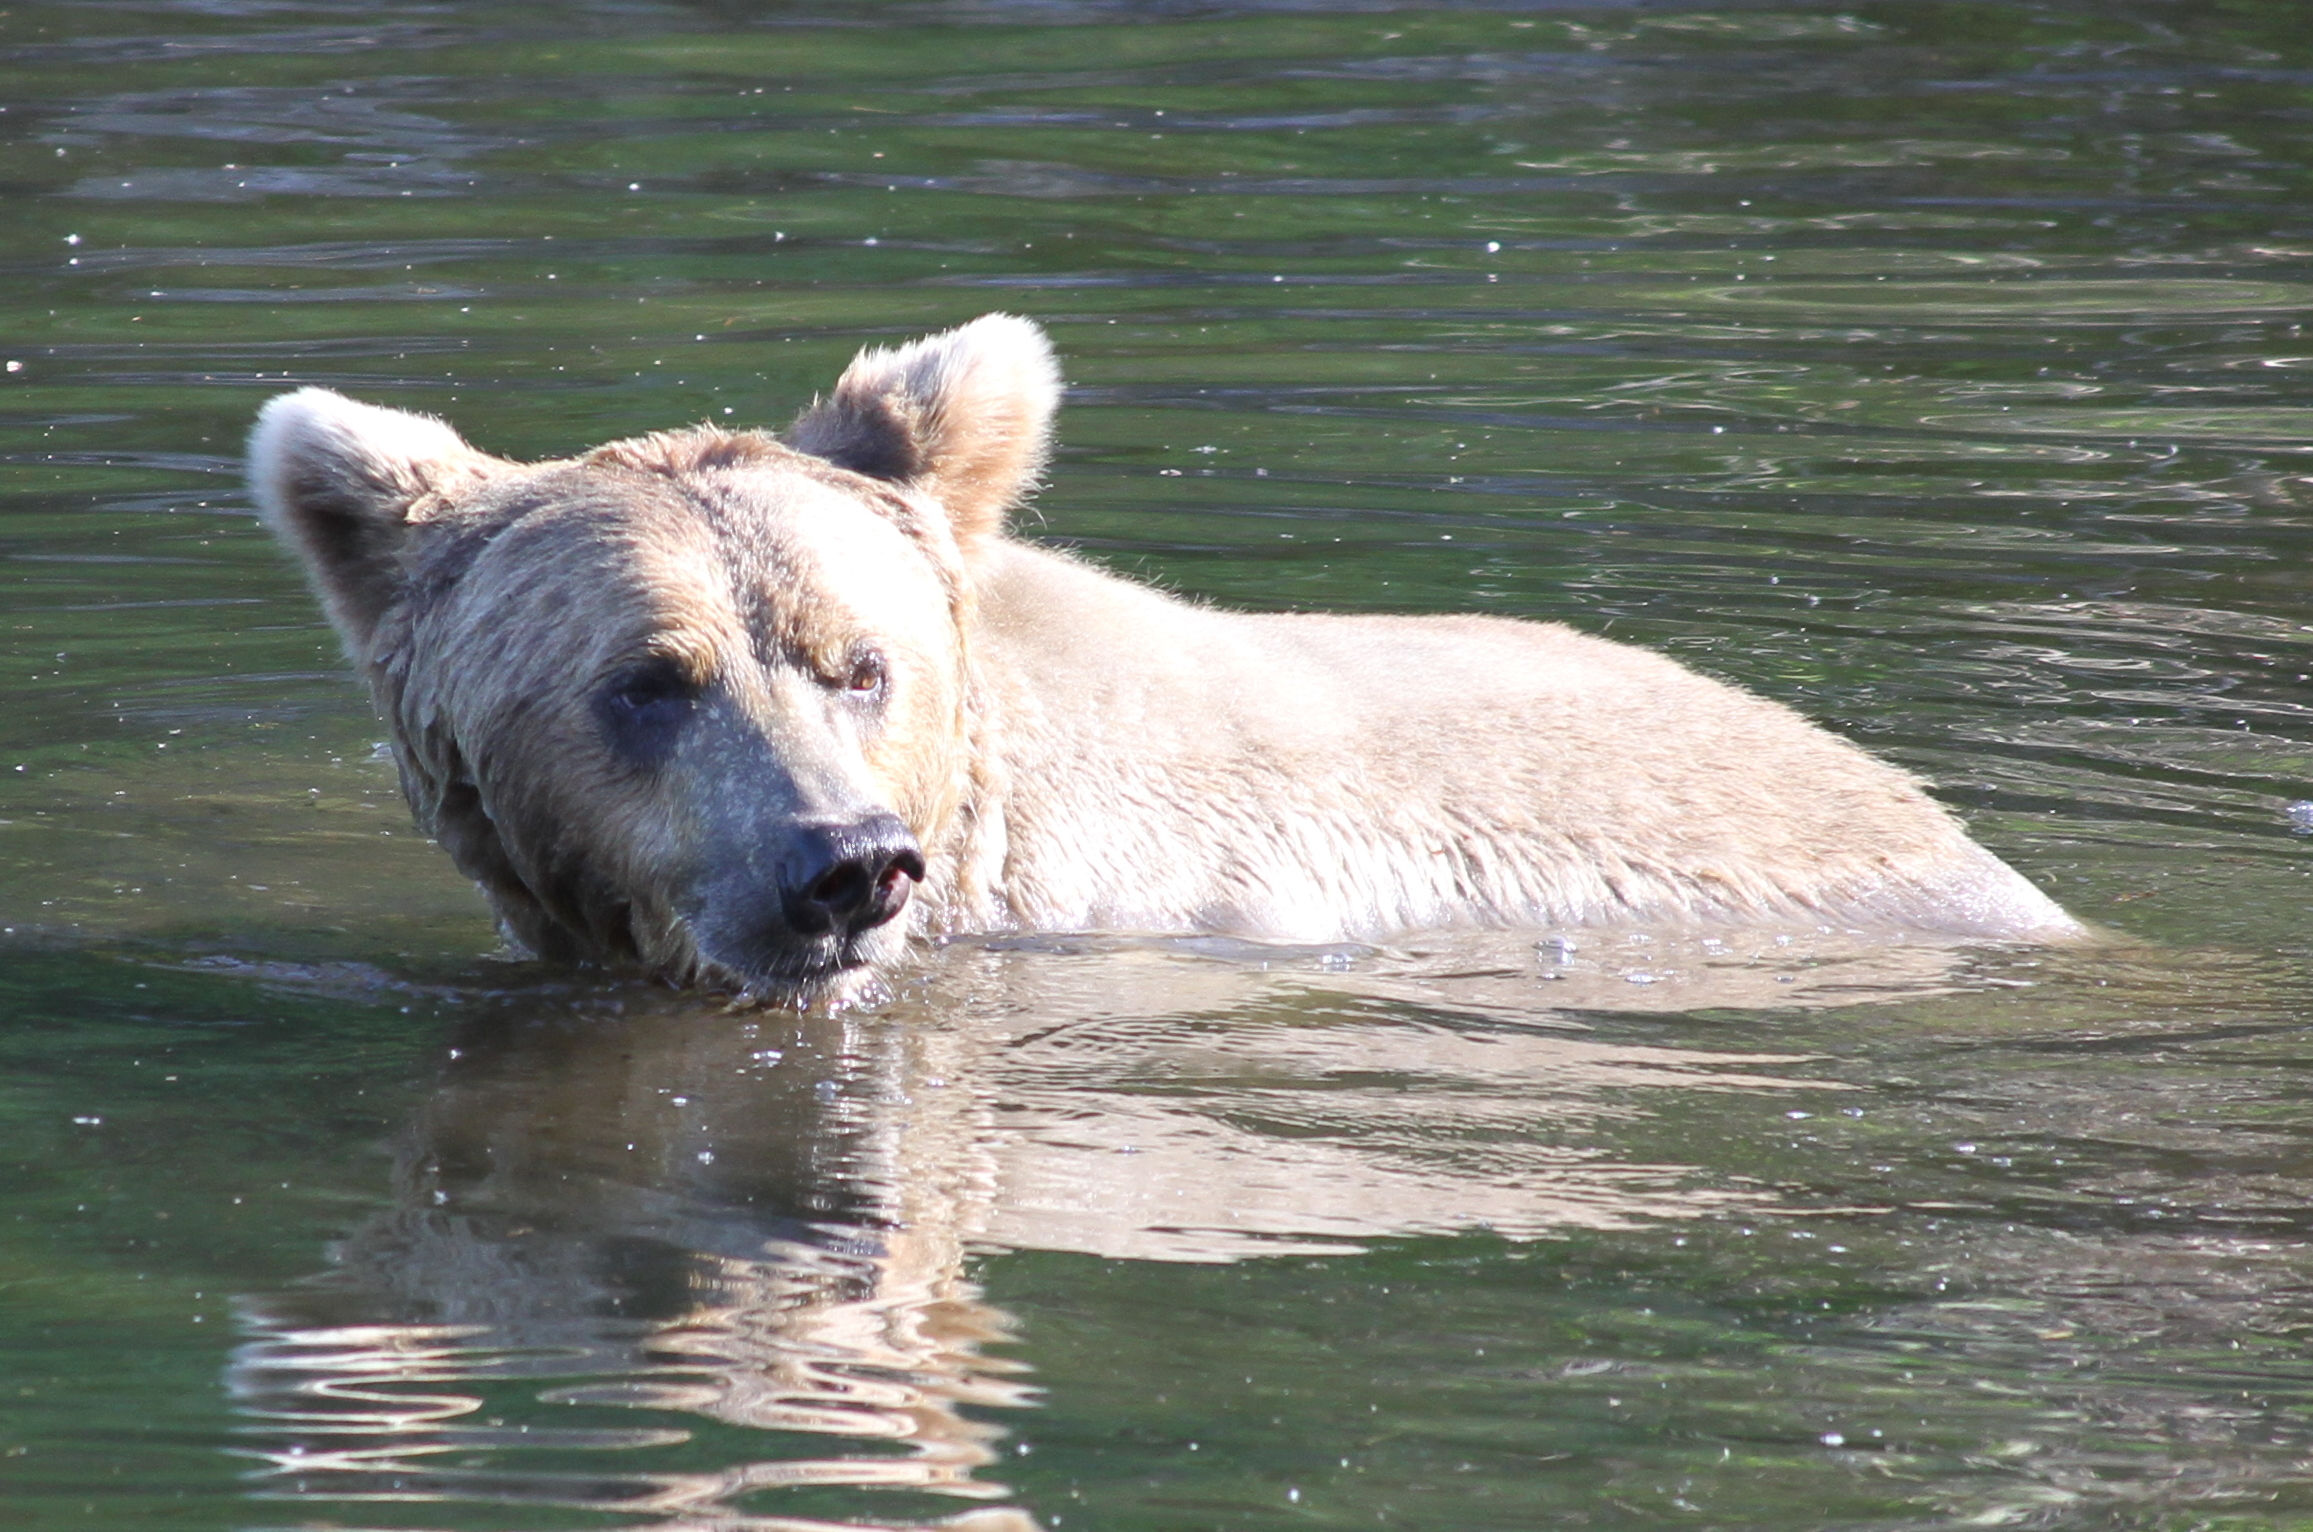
750, 713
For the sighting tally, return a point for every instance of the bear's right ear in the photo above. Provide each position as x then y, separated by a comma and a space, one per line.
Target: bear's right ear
341, 483
965, 415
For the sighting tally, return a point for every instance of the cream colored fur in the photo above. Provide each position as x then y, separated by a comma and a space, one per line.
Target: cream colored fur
1072, 750
1314, 776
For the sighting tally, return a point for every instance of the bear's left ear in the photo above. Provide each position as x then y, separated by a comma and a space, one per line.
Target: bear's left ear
341, 483
965, 415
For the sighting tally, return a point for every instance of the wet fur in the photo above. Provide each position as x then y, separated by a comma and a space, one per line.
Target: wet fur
1071, 750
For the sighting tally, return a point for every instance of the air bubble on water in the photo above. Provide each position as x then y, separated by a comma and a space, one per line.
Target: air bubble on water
2300, 816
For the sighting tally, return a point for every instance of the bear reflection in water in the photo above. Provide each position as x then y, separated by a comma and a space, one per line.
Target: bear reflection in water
752, 713
624, 1214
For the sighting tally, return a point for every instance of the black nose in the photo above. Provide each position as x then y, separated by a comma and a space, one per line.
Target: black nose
848, 878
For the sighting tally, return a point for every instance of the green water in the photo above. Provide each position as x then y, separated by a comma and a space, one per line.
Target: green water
1936, 367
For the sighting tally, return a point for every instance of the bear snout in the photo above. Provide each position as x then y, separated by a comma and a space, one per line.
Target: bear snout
842, 879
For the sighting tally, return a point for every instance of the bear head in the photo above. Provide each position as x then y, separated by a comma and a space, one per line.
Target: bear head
701, 702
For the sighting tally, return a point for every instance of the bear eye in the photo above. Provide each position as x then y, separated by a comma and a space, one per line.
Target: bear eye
642, 709
867, 673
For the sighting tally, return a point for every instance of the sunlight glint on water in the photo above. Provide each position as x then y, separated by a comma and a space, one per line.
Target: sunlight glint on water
1937, 368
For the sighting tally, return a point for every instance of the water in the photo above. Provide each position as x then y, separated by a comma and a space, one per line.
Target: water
1935, 367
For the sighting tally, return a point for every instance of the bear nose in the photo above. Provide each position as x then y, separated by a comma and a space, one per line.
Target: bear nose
849, 878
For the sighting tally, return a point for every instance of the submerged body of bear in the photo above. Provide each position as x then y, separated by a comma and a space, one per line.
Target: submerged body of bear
749, 713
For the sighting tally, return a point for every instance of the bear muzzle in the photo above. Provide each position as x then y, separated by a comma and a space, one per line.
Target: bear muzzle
808, 909
842, 879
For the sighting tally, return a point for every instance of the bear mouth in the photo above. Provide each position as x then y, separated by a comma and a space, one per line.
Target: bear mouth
799, 975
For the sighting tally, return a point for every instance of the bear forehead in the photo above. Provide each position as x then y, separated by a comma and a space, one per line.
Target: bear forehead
756, 547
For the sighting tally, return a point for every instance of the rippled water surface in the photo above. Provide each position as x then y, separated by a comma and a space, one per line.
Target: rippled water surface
1935, 367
